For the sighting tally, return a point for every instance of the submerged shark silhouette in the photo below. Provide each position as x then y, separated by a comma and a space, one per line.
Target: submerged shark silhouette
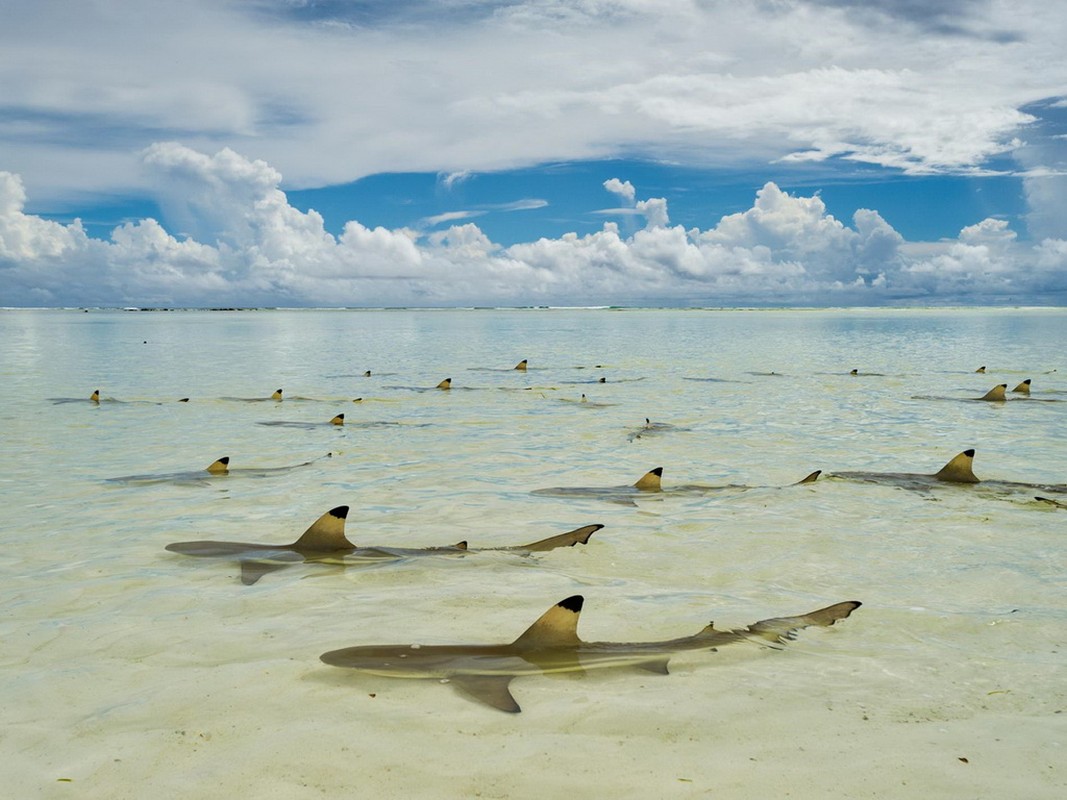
957, 471
651, 484
219, 468
325, 542
653, 429
551, 645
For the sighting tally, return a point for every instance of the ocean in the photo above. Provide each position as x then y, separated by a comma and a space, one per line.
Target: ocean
131, 671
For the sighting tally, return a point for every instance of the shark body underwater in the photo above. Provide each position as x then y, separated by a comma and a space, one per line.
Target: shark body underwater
650, 485
220, 468
325, 542
551, 646
958, 471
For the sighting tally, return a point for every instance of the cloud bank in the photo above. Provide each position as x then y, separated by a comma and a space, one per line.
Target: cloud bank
233, 239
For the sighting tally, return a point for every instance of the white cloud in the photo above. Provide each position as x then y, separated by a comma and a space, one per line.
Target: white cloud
623, 189
261, 251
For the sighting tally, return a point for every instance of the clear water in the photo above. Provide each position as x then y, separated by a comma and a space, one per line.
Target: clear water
129, 671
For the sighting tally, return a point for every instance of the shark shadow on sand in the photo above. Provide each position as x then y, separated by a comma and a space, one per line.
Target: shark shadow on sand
551, 646
325, 543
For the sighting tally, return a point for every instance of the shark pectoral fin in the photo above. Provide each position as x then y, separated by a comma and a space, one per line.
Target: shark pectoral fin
810, 478
557, 627
996, 393
657, 666
783, 629
958, 470
327, 533
489, 689
568, 539
219, 467
252, 569
651, 481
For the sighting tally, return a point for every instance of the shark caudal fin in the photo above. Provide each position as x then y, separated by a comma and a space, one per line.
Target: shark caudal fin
338, 420
996, 393
277, 395
95, 396
809, 478
1023, 388
958, 470
521, 366
327, 533
650, 481
783, 629
219, 467
980, 370
557, 627
568, 539
445, 384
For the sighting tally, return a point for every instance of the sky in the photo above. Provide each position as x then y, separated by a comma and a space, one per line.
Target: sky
372, 153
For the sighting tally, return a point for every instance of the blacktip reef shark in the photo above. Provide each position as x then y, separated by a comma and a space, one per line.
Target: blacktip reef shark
651, 484
337, 421
219, 468
276, 396
959, 471
998, 394
551, 646
654, 429
325, 542
97, 399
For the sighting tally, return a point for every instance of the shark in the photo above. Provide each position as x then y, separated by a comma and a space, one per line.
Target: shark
326, 542
958, 471
336, 422
219, 468
276, 395
653, 429
651, 484
484, 672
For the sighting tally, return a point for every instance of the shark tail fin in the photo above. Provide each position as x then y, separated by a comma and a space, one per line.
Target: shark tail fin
95, 396
809, 478
651, 481
783, 629
277, 395
219, 467
1023, 388
958, 470
557, 627
445, 384
521, 366
996, 393
568, 539
338, 420
327, 533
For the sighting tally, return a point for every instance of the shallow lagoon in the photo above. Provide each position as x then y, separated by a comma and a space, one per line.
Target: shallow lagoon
129, 671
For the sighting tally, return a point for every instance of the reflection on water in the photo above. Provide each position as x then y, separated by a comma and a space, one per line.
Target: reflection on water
126, 671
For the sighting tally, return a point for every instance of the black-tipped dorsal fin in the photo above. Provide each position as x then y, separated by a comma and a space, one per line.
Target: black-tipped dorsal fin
809, 478
854, 372
650, 481
445, 384
521, 366
327, 533
996, 393
219, 467
277, 395
338, 420
461, 545
980, 370
1023, 388
95, 396
366, 374
557, 627
958, 470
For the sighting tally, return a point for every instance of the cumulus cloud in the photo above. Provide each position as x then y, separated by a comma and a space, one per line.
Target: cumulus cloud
623, 189
253, 248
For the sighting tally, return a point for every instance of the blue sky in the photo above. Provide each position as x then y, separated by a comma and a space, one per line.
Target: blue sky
483, 152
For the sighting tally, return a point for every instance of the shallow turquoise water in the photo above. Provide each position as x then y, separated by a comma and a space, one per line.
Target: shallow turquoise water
129, 670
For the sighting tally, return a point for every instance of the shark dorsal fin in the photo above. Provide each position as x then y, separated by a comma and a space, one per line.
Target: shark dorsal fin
557, 627
521, 366
980, 370
445, 384
809, 478
958, 470
366, 374
338, 420
461, 545
95, 396
650, 481
1023, 388
277, 395
854, 372
184, 400
327, 533
219, 467
996, 393
584, 399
